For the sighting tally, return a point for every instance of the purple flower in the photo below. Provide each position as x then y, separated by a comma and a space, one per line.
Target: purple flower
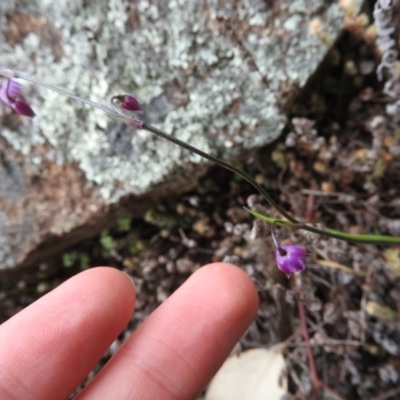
129, 103
22, 107
11, 95
9, 90
289, 258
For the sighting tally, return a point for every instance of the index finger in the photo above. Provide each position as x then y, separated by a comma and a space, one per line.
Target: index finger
179, 348
47, 349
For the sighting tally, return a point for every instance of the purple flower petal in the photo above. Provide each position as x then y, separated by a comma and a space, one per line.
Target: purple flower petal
129, 103
14, 89
23, 108
295, 250
289, 259
9, 91
11, 95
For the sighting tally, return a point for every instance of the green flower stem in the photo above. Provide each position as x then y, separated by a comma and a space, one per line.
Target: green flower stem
290, 221
349, 237
376, 239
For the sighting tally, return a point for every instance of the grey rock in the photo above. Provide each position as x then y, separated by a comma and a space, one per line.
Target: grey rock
212, 73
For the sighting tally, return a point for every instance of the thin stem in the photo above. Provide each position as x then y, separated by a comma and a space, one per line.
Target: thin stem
281, 251
316, 382
291, 221
225, 165
274, 238
72, 96
7, 73
349, 237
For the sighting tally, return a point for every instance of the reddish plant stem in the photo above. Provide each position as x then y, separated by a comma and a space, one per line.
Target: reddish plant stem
304, 331
316, 383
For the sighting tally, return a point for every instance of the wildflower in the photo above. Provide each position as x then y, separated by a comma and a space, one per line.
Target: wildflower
128, 102
11, 95
289, 258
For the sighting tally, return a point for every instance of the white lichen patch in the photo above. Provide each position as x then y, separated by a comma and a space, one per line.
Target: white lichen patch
204, 46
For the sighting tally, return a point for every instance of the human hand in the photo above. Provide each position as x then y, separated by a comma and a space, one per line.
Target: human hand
47, 349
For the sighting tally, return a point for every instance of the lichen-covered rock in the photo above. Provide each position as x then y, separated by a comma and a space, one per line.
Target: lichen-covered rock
210, 72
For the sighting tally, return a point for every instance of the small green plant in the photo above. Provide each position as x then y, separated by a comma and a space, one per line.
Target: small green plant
84, 261
124, 224
107, 243
68, 260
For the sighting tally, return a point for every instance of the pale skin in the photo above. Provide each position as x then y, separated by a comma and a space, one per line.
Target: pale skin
47, 349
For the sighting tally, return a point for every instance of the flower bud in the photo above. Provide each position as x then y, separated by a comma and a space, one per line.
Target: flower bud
129, 103
23, 108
